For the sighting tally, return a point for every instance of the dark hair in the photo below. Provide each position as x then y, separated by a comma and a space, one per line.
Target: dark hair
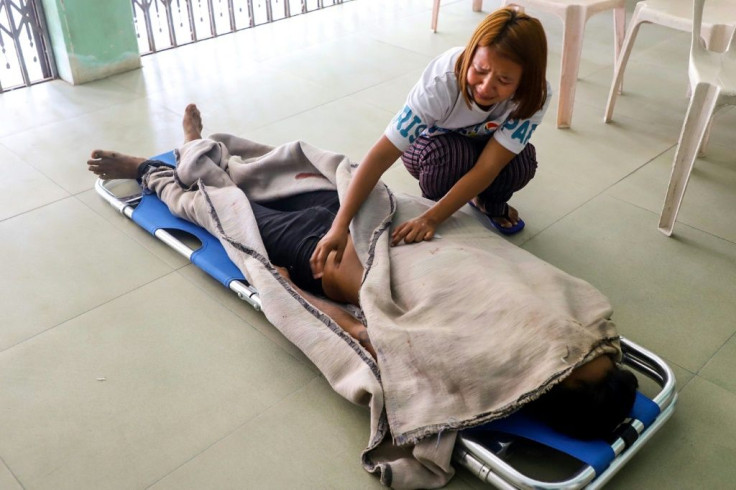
519, 38
590, 410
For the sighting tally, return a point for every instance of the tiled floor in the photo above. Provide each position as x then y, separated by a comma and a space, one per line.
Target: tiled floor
122, 367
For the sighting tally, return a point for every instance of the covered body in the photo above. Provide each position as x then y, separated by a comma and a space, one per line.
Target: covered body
467, 327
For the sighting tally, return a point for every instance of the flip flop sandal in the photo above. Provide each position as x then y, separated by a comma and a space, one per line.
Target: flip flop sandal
511, 230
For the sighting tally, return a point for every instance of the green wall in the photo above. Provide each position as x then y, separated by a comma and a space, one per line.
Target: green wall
92, 39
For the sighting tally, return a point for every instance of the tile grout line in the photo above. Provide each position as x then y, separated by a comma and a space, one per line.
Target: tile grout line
235, 429
601, 193
244, 320
733, 336
41, 206
705, 232
10, 470
74, 317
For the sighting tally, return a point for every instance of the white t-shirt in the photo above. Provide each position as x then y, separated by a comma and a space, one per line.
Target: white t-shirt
436, 106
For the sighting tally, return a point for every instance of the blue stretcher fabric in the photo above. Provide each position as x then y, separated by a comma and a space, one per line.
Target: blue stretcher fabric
168, 157
596, 453
152, 214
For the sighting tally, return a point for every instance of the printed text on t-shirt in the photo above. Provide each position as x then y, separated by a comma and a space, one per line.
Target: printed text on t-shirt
406, 121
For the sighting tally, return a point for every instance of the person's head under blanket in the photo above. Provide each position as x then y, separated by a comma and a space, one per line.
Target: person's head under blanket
589, 403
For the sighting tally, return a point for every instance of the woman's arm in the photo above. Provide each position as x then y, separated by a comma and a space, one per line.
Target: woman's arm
379, 158
491, 161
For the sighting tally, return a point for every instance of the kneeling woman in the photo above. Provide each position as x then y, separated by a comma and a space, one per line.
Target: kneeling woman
463, 132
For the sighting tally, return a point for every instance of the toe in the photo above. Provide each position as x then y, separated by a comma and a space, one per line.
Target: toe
513, 215
98, 154
501, 221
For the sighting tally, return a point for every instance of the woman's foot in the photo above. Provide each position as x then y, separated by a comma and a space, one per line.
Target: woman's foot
508, 224
510, 220
112, 165
192, 123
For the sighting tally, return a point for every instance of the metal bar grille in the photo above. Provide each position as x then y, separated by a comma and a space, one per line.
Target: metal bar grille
25, 57
164, 24
25, 50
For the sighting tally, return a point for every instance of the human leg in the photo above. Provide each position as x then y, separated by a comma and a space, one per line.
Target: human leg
440, 161
291, 228
345, 320
493, 201
290, 238
113, 165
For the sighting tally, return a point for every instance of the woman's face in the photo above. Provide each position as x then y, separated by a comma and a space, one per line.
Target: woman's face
492, 78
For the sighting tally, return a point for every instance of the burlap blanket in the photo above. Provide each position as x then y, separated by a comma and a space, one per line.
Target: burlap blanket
467, 327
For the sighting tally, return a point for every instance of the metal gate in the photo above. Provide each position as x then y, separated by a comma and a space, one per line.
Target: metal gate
25, 50
164, 24
25, 53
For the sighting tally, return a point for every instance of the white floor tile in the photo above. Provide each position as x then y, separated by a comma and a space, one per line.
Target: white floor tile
670, 295
23, 188
60, 150
145, 382
60, 261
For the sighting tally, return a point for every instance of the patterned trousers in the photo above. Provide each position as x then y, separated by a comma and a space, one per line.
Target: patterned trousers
440, 161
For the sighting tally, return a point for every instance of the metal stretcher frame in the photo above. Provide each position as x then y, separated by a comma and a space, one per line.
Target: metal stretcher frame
647, 418
232, 279
599, 460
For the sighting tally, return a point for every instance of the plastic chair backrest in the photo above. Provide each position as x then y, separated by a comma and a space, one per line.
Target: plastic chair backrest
718, 69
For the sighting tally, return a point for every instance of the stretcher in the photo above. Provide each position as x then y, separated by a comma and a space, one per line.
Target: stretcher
513, 452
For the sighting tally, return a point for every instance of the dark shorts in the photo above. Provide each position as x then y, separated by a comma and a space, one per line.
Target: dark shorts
290, 229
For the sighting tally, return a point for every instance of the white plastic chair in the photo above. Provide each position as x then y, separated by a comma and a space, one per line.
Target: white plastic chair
574, 15
717, 28
477, 5
713, 81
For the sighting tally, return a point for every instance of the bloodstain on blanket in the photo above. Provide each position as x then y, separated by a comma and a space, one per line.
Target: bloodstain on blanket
306, 175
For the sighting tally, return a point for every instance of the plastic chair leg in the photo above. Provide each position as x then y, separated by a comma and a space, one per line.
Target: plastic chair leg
620, 67
572, 40
619, 31
719, 37
706, 137
477, 6
699, 114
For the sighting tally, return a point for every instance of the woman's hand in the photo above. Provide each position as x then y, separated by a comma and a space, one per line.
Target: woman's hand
414, 230
336, 239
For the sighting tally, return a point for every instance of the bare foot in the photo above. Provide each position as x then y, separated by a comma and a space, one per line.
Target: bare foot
112, 165
192, 123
